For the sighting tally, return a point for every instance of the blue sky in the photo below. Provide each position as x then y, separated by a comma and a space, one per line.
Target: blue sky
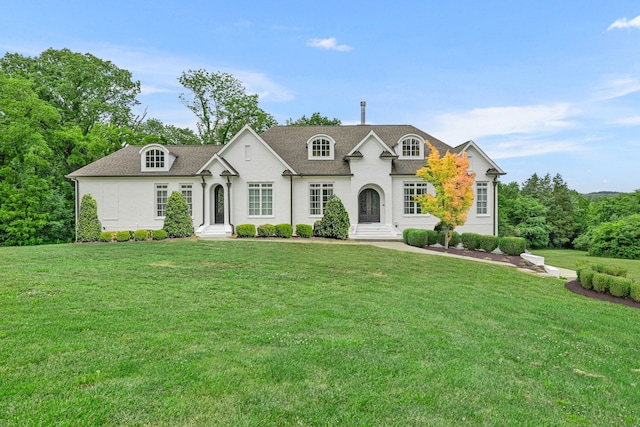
545, 86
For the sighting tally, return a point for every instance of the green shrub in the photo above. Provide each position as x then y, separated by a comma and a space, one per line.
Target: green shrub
405, 234
601, 282
335, 222
432, 237
123, 236
304, 230
620, 286
489, 243
610, 270
586, 278
619, 239
140, 235
317, 229
512, 245
246, 230
106, 236
159, 234
471, 241
267, 230
178, 222
635, 291
417, 238
453, 241
284, 230
89, 226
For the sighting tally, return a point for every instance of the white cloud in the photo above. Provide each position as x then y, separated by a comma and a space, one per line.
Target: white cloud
617, 87
260, 83
628, 121
455, 128
624, 23
524, 147
329, 44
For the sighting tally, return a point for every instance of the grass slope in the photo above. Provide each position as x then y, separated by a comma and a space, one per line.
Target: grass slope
267, 333
571, 259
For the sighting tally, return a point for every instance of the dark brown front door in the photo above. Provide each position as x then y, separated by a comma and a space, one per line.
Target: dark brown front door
369, 206
219, 205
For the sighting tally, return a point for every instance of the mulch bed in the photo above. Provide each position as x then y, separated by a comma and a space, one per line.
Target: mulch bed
573, 286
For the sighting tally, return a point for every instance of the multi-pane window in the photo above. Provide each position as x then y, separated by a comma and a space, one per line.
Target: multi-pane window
411, 207
321, 147
411, 147
161, 199
187, 193
318, 195
482, 207
260, 199
154, 159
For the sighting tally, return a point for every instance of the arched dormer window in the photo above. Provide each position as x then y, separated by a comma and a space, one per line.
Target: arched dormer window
320, 147
155, 158
411, 147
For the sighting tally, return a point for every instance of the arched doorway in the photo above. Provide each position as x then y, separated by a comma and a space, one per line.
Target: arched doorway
369, 206
218, 205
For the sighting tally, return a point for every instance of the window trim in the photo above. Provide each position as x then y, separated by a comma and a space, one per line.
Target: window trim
261, 186
156, 204
321, 187
189, 200
413, 204
158, 151
485, 185
320, 137
411, 138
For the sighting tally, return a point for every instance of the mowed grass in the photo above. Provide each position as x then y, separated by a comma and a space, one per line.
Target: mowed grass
259, 333
571, 259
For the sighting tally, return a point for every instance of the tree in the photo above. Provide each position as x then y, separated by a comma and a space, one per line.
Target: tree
177, 222
153, 130
315, 120
222, 106
335, 222
89, 226
453, 184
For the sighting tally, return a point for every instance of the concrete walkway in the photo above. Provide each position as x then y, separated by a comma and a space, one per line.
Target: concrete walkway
399, 246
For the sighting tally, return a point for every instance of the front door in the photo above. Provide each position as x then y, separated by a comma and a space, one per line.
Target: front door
369, 206
219, 205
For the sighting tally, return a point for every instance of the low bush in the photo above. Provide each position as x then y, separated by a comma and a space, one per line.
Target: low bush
512, 245
246, 230
586, 278
405, 235
267, 230
634, 292
159, 234
417, 238
620, 286
140, 235
106, 236
318, 229
432, 237
470, 241
284, 230
453, 241
610, 270
601, 282
123, 236
489, 243
304, 230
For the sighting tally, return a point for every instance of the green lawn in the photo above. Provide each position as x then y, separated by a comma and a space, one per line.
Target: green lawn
258, 333
569, 258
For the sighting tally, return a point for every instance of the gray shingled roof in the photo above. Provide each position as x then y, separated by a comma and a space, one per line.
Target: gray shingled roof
290, 143
126, 162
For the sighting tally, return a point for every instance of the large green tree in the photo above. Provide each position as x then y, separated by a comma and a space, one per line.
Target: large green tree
222, 106
316, 119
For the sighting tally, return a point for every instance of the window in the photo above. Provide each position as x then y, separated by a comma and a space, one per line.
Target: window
411, 148
321, 147
260, 199
481, 198
154, 159
187, 193
318, 195
411, 207
161, 200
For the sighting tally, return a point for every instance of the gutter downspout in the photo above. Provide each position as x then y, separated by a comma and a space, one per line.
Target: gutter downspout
204, 184
288, 173
495, 211
233, 227
76, 185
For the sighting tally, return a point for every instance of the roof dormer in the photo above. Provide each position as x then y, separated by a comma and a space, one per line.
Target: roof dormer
410, 147
320, 147
155, 158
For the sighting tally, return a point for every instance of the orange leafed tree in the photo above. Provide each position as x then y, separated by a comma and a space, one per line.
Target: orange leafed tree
453, 184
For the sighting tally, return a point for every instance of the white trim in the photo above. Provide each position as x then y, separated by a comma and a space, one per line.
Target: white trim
400, 147
471, 143
168, 158
384, 146
273, 199
320, 136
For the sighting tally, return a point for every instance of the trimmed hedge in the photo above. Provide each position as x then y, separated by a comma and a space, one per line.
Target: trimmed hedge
140, 235
159, 234
453, 242
266, 230
417, 238
489, 243
601, 282
512, 245
634, 293
610, 270
620, 286
284, 230
304, 230
246, 230
405, 234
123, 236
89, 226
106, 236
471, 241
586, 277
432, 237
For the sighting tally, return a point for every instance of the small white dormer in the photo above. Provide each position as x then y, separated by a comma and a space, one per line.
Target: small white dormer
410, 147
320, 147
155, 158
